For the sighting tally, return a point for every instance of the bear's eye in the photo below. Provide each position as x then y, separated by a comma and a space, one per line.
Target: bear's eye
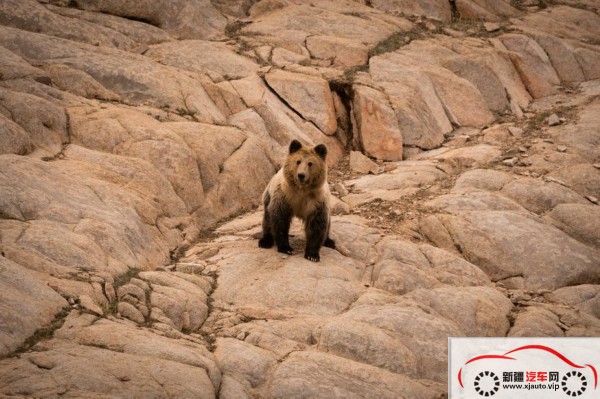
309, 164
297, 162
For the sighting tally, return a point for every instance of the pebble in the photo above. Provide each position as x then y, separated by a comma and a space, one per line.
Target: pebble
592, 199
241, 336
553, 120
597, 165
491, 26
561, 148
340, 189
515, 131
522, 149
549, 141
510, 162
554, 180
87, 303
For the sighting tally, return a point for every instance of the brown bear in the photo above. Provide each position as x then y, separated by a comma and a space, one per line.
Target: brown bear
299, 189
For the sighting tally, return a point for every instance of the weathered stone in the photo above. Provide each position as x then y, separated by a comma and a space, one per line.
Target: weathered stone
553, 120
135, 78
529, 248
533, 64
89, 305
239, 358
491, 26
288, 283
44, 122
379, 133
344, 52
130, 312
27, 304
563, 58
453, 270
484, 179
309, 96
579, 221
476, 155
137, 31
317, 375
473, 200
435, 9
536, 322
408, 174
325, 20
196, 20
20, 14
203, 56
538, 196
361, 164
101, 372
489, 10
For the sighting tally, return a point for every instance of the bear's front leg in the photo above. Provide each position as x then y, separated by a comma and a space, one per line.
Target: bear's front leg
316, 227
281, 218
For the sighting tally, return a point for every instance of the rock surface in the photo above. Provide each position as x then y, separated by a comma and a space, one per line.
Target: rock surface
136, 139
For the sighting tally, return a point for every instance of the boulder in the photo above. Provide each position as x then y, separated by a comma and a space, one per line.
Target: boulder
44, 123
100, 371
379, 133
563, 58
272, 284
577, 220
345, 53
27, 304
197, 19
514, 245
361, 164
138, 31
310, 96
318, 375
581, 178
324, 19
135, 78
203, 56
490, 10
435, 9
533, 64
32, 16
484, 179
242, 359
539, 196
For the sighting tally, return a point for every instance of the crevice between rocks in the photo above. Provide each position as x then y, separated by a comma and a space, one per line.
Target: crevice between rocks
345, 92
41, 334
289, 105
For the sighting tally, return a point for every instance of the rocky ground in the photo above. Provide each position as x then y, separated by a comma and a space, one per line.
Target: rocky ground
136, 139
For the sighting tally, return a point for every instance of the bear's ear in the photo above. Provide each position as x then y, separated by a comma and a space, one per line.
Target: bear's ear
295, 145
321, 150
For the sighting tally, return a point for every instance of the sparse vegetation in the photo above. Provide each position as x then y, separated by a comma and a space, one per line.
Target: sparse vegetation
126, 277
350, 73
355, 14
234, 29
43, 333
187, 112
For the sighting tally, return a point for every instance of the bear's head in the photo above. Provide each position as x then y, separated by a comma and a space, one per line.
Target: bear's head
305, 167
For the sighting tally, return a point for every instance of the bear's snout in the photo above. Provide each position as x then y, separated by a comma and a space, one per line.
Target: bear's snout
301, 177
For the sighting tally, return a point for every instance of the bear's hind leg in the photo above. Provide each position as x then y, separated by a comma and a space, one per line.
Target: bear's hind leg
316, 228
329, 243
281, 218
267, 238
